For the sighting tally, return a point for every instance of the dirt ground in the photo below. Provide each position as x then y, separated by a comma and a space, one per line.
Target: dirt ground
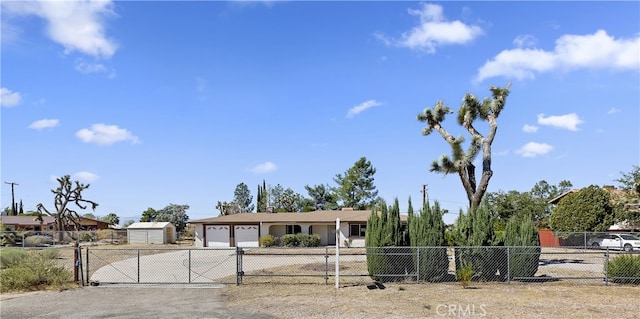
532, 300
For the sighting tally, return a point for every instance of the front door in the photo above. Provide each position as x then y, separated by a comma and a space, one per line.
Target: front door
331, 235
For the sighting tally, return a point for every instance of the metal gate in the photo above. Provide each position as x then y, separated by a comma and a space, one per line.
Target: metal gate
160, 266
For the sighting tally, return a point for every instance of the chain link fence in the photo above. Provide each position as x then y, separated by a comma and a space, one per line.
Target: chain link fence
32, 238
357, 266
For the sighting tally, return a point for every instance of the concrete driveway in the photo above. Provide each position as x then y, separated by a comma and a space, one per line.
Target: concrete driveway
198, 266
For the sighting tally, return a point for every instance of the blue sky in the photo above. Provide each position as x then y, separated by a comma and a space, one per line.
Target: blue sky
155, 103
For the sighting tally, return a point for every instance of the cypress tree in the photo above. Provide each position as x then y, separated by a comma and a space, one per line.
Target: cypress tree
383, 238
521, 236
426, 235
474, 234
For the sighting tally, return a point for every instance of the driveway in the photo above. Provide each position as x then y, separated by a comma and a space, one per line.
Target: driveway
121, 302
204, 266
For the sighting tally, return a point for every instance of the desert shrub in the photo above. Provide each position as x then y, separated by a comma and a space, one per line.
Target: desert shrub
86, 236
267, 241
11, 256
103, 234
621, 268
37, 241
464, 274
34, 271
290, 240
50, 253
7, 239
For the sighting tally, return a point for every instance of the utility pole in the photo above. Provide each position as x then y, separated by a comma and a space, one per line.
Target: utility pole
424, 195
14, 209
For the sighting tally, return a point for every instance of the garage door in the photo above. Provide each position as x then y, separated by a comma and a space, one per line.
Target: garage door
217, 236
137, 236
246, 235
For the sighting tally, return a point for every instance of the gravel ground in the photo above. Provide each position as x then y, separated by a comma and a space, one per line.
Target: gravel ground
122, 302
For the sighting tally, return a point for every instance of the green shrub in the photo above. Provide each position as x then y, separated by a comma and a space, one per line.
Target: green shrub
308, 240
464, 274
626, 265
11, 256
34, 272
37, 241
290, 240
427, 234
267, 240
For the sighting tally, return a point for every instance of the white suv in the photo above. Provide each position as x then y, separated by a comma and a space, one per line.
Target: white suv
624, 242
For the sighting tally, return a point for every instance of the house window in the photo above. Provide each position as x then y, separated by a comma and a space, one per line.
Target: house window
358, 230
294, 229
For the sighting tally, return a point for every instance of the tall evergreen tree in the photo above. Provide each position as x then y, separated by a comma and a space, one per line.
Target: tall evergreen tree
242, 197
386, 260
355, 188
426, 236
521, 236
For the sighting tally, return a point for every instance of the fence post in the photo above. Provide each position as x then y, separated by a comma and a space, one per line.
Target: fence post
239, 272
326, 265
418, 264
75, 246
87, 265
337, 253
585, 240
508, 265
138, 265
189, 268
606, 267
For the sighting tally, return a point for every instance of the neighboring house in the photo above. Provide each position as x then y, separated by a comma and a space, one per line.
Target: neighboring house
24, 223
151, 233
244, 230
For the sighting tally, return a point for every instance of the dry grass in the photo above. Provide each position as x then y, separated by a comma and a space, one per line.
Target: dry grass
436, 300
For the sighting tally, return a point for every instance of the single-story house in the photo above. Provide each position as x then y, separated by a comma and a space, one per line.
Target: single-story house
244, 230
151, 233
25, 223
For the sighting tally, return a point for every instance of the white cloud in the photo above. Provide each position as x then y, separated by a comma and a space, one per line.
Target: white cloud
433, 31
44, 123
524, 41
106, 134
9, 98
533, 149
76, 25
265, 167
86, 67
362, 107
613, 110
85, 177
591, 51
529, 128
567, 121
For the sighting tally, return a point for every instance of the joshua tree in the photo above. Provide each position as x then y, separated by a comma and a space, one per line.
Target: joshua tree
461, 162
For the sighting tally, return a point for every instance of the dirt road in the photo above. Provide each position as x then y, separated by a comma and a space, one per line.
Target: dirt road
121, 302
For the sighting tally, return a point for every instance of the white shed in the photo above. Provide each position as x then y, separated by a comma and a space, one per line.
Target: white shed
151, 233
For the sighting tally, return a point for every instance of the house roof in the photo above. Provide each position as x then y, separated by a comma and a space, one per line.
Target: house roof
26, 220
147, 225
326, 216
557, 199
